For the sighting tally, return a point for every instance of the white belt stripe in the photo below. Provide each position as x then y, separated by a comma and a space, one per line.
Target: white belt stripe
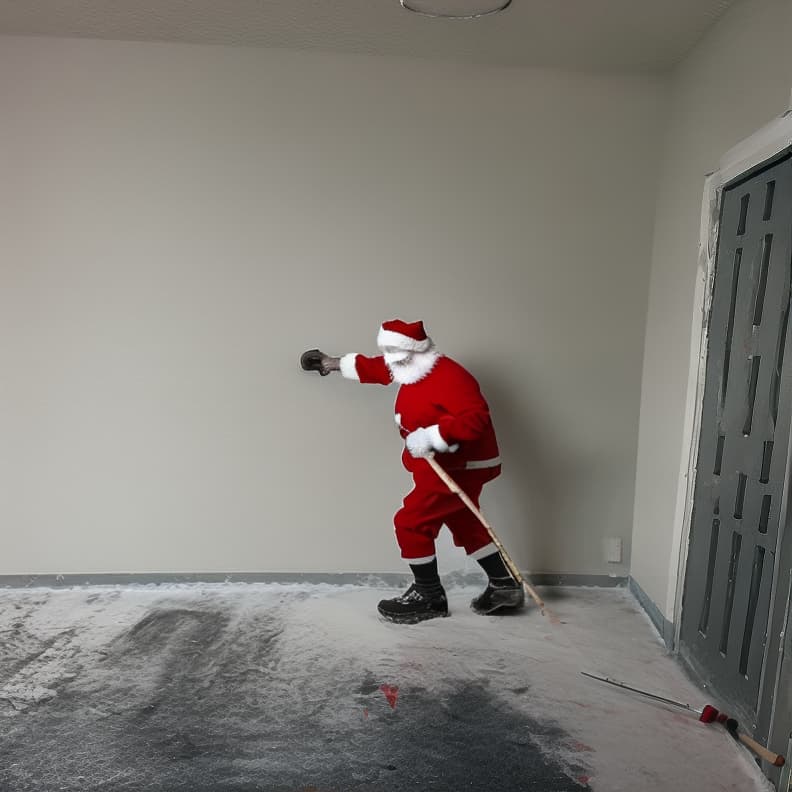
477, 464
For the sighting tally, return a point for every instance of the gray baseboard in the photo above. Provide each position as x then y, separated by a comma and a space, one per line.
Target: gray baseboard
170, 578
662, 625
560, 579
389, 579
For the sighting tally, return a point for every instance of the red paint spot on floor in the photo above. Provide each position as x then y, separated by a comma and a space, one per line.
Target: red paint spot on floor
365, 713
583, 780
391, 694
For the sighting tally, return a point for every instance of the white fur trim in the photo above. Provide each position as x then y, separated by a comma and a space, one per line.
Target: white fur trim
425, 560
437, 439
397, 418
392, 358
483, 552
409, 373
388, 338
348, 367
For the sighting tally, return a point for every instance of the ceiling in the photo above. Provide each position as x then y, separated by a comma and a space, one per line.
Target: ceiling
631, 35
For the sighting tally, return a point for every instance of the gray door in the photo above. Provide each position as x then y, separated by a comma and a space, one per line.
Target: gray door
745, 430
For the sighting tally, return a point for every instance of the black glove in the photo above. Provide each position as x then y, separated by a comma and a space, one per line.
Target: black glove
312, 361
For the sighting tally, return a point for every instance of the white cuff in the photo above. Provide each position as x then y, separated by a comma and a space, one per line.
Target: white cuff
348, 367
483, 552
437, 440
424, 560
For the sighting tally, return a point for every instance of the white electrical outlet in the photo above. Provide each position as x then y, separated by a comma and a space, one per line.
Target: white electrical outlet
613, 549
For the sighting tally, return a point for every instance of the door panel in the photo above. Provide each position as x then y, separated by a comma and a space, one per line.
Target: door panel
745, 429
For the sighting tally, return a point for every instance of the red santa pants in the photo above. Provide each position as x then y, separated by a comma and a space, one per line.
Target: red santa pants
430, 505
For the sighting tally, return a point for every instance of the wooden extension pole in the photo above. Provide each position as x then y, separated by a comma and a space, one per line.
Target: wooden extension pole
777, 760
457, 490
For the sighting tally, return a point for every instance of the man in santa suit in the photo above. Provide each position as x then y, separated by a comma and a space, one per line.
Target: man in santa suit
439, 410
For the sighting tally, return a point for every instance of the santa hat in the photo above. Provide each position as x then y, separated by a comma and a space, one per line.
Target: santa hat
409, 336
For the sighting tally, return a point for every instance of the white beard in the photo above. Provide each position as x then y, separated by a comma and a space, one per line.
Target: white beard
421, 363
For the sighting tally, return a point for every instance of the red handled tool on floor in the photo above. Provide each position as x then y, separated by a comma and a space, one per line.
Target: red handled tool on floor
707, 714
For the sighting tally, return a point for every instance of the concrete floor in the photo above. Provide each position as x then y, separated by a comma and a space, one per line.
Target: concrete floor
297, 688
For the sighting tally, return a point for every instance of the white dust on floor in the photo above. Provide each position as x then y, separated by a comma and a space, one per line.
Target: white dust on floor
531, 660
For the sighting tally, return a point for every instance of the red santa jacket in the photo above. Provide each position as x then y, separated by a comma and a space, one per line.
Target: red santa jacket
449, 398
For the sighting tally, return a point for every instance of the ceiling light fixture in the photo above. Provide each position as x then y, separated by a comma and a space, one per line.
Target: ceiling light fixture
455, 9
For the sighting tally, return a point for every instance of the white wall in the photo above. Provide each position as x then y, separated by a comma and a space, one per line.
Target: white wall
180, 223
737, 79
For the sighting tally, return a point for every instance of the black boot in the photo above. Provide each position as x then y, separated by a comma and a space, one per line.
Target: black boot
500, 596
425, 599
503, 592
414, 606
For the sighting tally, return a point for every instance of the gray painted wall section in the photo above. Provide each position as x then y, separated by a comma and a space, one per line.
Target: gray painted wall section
664, 627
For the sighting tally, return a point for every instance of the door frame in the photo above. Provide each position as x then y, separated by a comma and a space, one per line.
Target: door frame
770, 142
